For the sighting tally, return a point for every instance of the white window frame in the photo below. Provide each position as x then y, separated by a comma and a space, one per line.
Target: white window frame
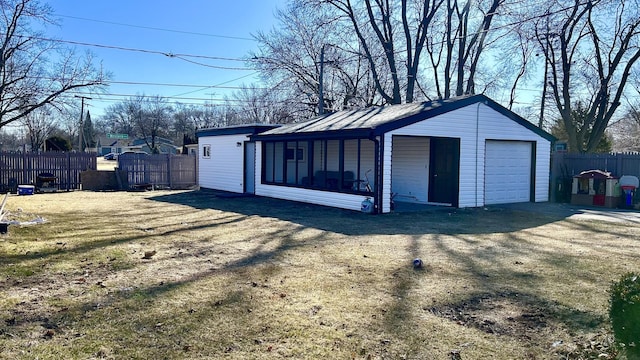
206, 151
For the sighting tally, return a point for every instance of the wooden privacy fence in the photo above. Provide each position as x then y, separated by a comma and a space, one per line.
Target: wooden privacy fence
24, 168
564, 166
159, 170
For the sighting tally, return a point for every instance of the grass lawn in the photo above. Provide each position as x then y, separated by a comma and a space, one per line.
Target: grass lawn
179, 275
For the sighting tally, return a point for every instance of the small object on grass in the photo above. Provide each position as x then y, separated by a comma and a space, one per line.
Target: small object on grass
417, 263
149, 254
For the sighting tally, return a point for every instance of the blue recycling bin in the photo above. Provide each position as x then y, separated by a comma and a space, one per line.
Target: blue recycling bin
629, 192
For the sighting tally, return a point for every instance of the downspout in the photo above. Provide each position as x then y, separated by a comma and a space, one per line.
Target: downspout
477, 149
377, 166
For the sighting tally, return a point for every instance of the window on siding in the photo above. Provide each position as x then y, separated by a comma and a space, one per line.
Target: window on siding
206, 151
329, 165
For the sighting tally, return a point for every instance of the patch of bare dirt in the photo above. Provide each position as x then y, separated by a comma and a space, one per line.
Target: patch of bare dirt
527, 318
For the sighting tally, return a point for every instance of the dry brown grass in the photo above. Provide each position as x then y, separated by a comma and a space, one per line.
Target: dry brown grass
252, 278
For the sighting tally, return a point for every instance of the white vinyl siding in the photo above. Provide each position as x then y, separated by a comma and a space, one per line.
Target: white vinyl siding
543, 164
224, 169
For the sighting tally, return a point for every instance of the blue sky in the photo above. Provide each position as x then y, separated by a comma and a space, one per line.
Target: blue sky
207, 28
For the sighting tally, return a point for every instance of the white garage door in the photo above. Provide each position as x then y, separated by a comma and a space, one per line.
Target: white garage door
507, 172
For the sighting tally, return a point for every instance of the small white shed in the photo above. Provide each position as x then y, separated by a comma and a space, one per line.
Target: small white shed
226, 157
461, 152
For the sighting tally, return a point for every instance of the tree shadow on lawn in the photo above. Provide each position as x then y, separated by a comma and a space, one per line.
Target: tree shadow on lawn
534, 313
510, 309
138, 299
432, 220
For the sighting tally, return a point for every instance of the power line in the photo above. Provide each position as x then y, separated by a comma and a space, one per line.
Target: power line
113, 98
181, 85
216, 85
221, 102
157, 28
110, 96
154, 52
110, 82
150, 96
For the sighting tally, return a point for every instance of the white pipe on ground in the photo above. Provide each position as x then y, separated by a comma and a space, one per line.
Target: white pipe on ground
6, 196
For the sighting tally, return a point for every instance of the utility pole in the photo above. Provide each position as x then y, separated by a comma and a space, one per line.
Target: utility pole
80, 140
320, 87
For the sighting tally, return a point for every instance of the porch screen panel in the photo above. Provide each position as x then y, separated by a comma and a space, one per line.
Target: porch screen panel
297, 162
278, 176
318, 156
333, 155
268, 162
302, 157
351, 161
291, 160
367, 161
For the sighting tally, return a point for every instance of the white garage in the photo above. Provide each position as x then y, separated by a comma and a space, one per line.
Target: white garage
460, 152
508, 169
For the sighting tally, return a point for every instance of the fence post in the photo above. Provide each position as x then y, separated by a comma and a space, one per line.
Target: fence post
24, 167
68, 171
169, 168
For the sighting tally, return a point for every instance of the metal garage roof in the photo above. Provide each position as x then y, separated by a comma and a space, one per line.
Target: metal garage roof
377, 120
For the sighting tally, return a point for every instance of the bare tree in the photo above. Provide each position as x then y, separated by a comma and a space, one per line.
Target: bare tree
291, 60
590, 48
258, 106
375, 28
121, 116
460, 38
187, 119
67, 119
39, 125
626, 131
153, 121
9, 141
35, 72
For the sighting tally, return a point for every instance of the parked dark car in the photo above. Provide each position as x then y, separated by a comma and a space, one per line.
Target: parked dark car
133, 152
111, 156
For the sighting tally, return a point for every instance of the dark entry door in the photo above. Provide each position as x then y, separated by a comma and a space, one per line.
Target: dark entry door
444, 170
249, 167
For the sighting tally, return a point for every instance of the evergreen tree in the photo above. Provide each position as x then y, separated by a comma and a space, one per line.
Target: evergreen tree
88, 132
579, 114
58, 143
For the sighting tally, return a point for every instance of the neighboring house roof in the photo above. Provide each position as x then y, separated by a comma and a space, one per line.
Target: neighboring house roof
250, 129
105, 141
374, 121
158, 140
